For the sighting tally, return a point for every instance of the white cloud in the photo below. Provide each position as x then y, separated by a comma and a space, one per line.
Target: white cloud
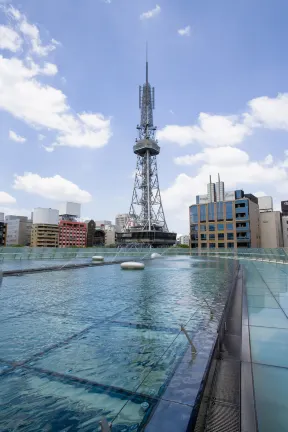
218, 130
151, 13
259, 194
236, 170
31, 32
220, 156
268, 112
41, 137
13, 13
171, 112
48, 149
212, 130
268, 160
49, 69
43, 106
9, 39
5, 198
55, 188
17, 138
185, 31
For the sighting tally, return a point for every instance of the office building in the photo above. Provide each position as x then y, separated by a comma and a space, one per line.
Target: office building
284, 210
45, 231
90, 232
3, 228
271, 229
232, 223
121, 221
1, 217
219, 189
184, 240
28, 231
285, 230
17, 233
72, 234
103, 223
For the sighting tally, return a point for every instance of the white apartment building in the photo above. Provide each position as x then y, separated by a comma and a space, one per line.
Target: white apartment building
121, 220
110, 237
184, 240
18, 232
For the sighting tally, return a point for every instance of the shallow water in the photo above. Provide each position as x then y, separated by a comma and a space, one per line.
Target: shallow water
96, 342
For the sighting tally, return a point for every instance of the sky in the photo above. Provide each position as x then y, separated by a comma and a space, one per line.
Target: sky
69, 77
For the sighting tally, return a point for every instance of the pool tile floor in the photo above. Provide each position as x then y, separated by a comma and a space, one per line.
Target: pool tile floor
267, 299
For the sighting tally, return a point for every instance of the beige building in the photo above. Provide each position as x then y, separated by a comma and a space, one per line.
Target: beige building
43, 235
110, 237
45, 229
271, 229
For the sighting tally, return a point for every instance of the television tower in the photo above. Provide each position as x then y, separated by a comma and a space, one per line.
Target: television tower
146, 222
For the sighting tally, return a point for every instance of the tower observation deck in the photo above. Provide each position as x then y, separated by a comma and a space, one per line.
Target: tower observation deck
146, 223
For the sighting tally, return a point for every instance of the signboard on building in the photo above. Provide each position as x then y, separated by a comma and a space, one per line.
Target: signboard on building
203, 199
284, 207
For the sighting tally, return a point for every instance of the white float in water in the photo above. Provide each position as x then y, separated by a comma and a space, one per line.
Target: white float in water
97, 258
155, 255
132, 266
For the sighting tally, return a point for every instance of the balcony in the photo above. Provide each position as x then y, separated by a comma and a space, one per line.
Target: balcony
242, 228
242, 216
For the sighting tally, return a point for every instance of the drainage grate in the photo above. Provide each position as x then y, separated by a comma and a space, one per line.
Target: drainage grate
223, 417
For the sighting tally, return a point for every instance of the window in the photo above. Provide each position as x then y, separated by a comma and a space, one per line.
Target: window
203, 236
230, 236
211, 236
230, 245
220, 227
211, 245
211, 212
220, 211
211, 227
202, 213
194, 214
202, 227
194, 227
203, 245
229, 212
194, 236
220, 236
229, 226
221, 245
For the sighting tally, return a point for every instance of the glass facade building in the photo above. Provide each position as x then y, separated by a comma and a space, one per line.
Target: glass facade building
225, 224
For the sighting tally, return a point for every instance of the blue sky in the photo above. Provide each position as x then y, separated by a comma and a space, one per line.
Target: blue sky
69, 76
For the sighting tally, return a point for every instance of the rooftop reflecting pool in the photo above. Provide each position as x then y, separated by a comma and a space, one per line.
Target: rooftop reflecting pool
77, 345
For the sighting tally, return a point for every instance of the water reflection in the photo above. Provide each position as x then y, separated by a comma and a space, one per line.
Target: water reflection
100, 342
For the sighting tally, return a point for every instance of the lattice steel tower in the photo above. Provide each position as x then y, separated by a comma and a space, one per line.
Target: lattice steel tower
146, 213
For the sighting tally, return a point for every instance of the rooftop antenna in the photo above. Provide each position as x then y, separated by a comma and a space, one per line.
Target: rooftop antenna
219, 187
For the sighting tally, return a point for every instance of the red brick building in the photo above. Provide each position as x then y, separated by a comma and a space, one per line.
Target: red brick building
72, 234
